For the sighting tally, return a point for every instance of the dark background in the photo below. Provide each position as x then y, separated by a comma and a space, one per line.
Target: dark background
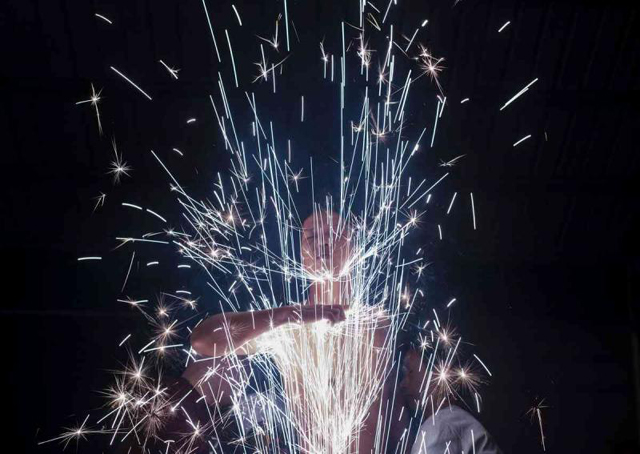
547, 285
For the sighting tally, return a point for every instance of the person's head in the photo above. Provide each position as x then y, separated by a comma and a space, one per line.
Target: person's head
325, 245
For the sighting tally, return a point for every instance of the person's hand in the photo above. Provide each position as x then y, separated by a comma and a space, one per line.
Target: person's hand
310, 314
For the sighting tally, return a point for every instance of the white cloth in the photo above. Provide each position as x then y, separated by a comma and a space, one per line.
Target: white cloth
453, 431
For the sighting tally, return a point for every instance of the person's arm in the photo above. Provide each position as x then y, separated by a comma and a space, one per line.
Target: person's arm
225, 333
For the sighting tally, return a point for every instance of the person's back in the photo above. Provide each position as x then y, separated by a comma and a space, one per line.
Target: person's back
453, 430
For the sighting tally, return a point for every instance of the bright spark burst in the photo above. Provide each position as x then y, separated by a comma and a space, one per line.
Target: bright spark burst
94, 100
118, 167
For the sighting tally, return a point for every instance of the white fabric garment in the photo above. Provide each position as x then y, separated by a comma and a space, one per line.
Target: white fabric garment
453, 431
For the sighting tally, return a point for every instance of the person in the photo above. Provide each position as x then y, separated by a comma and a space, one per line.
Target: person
446, 430
325, 257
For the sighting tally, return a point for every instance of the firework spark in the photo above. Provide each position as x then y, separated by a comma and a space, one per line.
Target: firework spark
94, 100
118, 167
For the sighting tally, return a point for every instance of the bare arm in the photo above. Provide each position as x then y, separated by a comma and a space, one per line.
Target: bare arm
225, 333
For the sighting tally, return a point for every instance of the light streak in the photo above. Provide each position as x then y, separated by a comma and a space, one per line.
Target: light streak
453, 199
237, 14
504, 26
213, 36
536, 412
82, 259
233, 61
104, 19
473, 210
522, 140
99, 201
124, 340
452, 162
131, 82
520, 93
124, 284
173, 72
141, 240
191, 120
286, 24
156, 215
464, 100
482, 364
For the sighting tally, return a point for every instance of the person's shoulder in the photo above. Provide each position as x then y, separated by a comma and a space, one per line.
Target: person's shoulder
453, 420
472, 430
458, 426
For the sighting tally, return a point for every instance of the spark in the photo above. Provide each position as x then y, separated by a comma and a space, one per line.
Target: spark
118, 167
273, 42
473, 211
536, 412
483, 364
124, 284
124, 340
237, 14
452, 162
104, 19
141, 240
156, 215
76, 433
504, 26
453, 199
94, 100
451, 302
522, 140
520, 93
191, 120
233, 61
431, 65
173, 72
178, 151
286, 24
152, 263
131, 82
82, 259
464, 100
213, 36
130, 205
99, 201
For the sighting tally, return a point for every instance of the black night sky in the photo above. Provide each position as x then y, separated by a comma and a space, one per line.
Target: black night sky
547, 285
